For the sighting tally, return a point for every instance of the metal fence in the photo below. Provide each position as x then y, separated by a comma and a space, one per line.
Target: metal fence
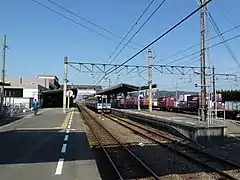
11, 110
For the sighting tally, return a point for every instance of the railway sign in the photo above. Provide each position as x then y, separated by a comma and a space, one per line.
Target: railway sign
69, 93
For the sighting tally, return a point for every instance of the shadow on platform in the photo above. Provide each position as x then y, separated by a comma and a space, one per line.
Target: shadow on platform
7, 120
41, 146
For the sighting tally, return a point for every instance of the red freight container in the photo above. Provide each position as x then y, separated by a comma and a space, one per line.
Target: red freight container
220, 105
170, 101
162, 102
219, 97
135, 101
145, 101
122, 101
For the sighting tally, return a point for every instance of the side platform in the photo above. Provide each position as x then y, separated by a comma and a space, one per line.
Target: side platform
188, 126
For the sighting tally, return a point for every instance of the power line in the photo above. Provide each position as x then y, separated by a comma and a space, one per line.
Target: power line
214, 45
196, 52
138, 30
74, 21
139, 18
191, 47
86, 20
215, 27
157, 39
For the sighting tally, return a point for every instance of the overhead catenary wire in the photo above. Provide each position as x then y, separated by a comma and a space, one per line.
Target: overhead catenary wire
76, 22
215, 27
135, 32
196, 52
88, 21
193, 46
212, 46
145, 22
130, 30
158, 38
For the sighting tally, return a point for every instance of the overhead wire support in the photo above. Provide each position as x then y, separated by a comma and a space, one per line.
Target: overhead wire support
213, 23
161, 36
102, 68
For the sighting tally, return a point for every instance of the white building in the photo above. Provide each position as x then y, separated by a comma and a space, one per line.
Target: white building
24, 90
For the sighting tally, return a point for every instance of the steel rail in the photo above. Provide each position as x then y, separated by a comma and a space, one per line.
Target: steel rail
175, 150
155, 176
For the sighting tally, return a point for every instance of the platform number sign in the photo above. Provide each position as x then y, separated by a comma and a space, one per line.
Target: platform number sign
69, 93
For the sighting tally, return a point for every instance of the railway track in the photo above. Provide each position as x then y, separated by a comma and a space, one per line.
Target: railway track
121, 157
220, 168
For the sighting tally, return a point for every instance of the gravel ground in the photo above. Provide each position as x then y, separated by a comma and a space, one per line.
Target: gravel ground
159, 159
124, 135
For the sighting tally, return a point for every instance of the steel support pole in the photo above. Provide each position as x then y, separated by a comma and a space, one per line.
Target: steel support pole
4, 46
203, 68
139, 108
65, 84
214, 91
150, 79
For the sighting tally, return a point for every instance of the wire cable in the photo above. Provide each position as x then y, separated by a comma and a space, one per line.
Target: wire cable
88, 21
158, 38
136, 23
138, 30
215, 27
193, 46
135, 32
212, 46
74, 21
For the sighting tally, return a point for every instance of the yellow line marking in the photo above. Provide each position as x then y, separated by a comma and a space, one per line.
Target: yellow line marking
65, 122
63, 126
23, 129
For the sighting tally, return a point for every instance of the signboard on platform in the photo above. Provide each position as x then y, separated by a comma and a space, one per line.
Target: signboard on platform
69, 93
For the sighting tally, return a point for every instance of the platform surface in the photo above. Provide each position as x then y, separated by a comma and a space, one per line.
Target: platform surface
186, 120
50, 146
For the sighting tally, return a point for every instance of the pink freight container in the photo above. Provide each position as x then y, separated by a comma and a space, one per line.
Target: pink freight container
170, 101
135, 101
122, 101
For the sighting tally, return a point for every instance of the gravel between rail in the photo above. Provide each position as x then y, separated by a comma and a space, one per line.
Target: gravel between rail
230, 170
160, 159
124, 162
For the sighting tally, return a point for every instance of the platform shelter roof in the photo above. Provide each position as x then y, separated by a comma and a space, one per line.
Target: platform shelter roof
122, 88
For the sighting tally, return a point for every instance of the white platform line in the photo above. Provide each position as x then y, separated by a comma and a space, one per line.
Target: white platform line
233, 136
64, 148
66, 137
59, 167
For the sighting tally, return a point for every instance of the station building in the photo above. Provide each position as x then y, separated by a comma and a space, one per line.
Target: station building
22, 91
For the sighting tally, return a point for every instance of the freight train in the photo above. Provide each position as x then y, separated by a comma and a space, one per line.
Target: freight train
98, 103
188, 104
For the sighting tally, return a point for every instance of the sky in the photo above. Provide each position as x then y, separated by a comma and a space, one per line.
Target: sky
38, 39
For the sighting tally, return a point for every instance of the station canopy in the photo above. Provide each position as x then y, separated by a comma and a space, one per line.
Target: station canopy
123, 88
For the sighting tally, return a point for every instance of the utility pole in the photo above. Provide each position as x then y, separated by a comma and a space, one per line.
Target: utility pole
203, 67
176, 91
4, 46
214, 91
139, 108
65, 84
150, 78
109, 82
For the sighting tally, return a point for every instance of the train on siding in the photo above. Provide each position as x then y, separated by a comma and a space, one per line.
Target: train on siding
98, 103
